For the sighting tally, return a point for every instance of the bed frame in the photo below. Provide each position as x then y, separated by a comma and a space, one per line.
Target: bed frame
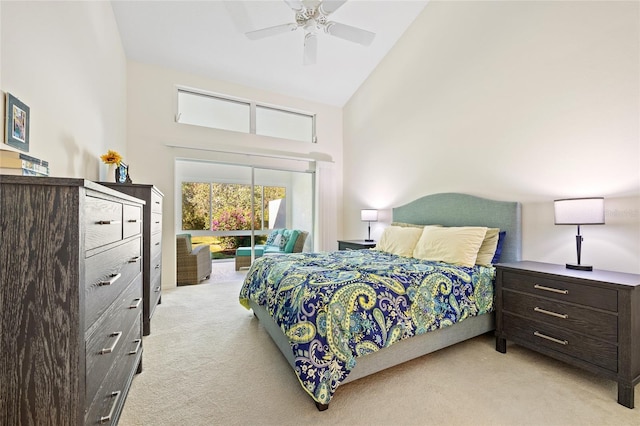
447, 209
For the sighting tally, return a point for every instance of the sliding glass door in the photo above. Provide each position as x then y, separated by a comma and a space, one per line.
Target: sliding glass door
235, 206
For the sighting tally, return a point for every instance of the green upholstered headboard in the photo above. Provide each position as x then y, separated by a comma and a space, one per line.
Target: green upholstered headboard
453, 209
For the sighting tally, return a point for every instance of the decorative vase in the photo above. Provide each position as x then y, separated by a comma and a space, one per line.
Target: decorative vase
112, 171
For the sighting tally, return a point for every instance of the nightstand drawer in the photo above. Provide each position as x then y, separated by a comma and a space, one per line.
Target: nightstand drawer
597, 352
561, 290
590, 322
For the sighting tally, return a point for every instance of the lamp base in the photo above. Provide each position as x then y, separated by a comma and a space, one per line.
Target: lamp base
579, 267
366, 240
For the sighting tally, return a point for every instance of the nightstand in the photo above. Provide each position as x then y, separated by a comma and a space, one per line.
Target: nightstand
589, 319
355, 244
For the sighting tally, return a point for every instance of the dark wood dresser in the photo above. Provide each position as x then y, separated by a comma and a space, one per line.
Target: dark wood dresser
70, 300
589, 319
152, 246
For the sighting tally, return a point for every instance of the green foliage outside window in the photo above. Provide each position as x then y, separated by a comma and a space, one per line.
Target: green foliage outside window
227, 207
196, 202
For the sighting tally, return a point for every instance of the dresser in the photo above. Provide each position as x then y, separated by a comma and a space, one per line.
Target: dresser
589, 319
151, 246
355, 244
70, 300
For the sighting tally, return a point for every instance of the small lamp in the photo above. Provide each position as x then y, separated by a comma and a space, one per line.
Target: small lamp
369, 215
579, 211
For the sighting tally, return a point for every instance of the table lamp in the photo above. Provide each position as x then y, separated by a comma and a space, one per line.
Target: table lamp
369, 215
579, 211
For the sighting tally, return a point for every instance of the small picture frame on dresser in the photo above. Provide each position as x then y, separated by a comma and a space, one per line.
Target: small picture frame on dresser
122, 173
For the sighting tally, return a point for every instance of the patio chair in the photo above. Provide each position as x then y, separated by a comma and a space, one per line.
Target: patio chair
193, 263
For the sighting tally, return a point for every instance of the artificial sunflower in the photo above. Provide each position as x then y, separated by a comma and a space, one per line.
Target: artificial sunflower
111, 157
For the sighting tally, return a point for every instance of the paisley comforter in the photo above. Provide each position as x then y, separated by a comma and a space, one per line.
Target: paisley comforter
337, 306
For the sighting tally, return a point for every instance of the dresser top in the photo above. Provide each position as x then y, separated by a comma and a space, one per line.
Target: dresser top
132, 185
64, 181
600, 275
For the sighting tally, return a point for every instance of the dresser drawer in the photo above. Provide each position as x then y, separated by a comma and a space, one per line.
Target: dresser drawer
132, 221
594, 351
561, 290
155, 266
155, 292
156, 222
155, 246
107, 274
595, 323
106, 404
156, 202
103, 220
111, 335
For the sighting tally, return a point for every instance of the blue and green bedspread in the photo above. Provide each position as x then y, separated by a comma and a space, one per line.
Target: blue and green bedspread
337, 306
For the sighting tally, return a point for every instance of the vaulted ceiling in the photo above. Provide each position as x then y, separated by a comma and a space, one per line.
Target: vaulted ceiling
208, 38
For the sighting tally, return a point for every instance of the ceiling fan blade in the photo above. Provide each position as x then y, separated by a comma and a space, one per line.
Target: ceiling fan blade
310, 49
329, 6
238, 14
271, 31
294, 4
347, 32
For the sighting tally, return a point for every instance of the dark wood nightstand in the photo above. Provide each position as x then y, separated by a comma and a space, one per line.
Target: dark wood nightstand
589, 319
355, 244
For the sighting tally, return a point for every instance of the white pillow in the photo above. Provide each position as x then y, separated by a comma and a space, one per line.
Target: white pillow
488, 248
455, 245
399, 240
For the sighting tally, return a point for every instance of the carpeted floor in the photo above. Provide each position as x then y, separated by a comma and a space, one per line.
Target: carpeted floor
209, 362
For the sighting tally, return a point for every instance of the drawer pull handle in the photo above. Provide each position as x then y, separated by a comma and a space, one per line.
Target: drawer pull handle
157, 289
117, 335
553, 314
134, 259
109, 222
157, 266
157, 202
135, 351
111, 280
139, 299
551, 289
158, 243
157, 222
552, 339
116, 398
133, 220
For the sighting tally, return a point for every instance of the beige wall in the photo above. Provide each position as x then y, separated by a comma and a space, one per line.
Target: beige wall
155, 140
526, 101
510, 100
66, 62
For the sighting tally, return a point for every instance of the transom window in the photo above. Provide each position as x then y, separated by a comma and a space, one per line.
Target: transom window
221, 112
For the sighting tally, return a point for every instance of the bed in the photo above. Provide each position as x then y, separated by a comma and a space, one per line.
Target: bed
397, 308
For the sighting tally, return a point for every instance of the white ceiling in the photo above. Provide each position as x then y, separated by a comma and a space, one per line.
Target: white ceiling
207, 38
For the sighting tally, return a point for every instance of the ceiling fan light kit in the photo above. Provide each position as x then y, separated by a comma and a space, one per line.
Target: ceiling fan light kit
312, 17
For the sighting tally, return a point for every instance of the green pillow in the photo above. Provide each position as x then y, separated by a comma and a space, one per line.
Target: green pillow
291, 242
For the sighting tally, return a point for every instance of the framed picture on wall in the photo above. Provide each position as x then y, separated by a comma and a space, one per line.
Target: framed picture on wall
17, 123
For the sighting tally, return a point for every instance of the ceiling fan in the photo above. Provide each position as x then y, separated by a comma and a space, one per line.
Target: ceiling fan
313, 17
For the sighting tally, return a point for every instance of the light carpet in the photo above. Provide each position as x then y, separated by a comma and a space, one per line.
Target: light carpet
208, 361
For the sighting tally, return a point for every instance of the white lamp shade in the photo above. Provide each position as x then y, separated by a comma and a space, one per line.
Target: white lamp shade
579, 211
369, 215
